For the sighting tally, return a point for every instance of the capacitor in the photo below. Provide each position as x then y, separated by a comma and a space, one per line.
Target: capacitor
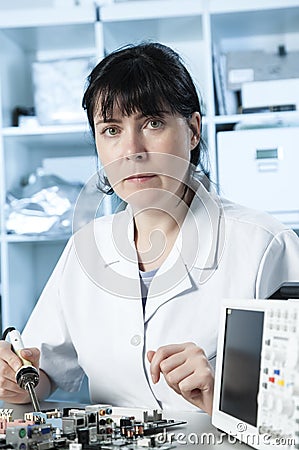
129, 432
139, 429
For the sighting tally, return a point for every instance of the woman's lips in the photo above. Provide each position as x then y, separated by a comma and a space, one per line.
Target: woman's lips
140, 178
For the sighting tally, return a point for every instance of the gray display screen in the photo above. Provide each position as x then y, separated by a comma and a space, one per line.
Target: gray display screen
241, 364
267, 153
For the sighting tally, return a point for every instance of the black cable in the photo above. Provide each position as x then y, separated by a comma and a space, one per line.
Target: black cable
5, 333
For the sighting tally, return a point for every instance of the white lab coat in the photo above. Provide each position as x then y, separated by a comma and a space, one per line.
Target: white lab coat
90, 317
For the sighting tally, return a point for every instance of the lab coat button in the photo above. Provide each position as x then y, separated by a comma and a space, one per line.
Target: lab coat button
136, 340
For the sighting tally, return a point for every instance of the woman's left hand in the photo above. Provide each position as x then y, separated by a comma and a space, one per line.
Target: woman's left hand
186, 370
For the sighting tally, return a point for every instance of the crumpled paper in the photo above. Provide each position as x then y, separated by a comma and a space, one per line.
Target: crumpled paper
44, 205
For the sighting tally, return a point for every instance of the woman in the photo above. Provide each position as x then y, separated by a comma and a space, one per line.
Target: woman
134, 300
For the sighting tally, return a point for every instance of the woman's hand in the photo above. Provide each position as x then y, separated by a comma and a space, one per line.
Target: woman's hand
186, 370
9, 364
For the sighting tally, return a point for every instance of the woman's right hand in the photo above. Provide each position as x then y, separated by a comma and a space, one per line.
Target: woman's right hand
9, 364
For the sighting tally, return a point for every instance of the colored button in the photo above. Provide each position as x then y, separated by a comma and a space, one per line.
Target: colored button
276, 372
280, 382
271, 379
136, 340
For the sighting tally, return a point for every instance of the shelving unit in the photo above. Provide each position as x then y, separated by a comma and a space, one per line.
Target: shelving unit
191, 27
261, 25
26, 36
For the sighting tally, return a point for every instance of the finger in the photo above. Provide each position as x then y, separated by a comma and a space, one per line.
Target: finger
9, 388
181, 365
8, 385
195, 369
6, 372
32, 355
161, 354
173, 361
14, 396
199, 390
150, 355
176, 376
191, 383
7, 355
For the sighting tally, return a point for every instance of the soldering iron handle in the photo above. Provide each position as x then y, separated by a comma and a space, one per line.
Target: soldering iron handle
17, 344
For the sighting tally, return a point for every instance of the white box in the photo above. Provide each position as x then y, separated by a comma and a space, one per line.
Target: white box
258, 168
58, 90
260, 94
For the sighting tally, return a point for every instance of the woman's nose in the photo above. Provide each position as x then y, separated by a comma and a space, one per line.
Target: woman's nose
134, 148
136, 156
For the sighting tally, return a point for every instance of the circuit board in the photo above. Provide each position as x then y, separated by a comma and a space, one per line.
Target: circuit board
93, 427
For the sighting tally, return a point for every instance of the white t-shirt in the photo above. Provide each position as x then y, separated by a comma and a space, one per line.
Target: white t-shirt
90, 317
145, 281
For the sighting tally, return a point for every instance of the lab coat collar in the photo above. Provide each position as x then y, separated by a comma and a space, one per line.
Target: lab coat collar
195, 255
172, 280
193, 258
107, 258
202, 235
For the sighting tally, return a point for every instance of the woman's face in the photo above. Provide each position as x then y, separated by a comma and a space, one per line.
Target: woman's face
146, 159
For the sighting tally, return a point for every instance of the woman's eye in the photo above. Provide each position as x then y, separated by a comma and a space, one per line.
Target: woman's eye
155, 123
111, 131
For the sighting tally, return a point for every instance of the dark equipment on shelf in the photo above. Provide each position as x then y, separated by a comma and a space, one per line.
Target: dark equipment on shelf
286, 291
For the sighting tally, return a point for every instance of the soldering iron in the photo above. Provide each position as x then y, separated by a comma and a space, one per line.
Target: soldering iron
27, 376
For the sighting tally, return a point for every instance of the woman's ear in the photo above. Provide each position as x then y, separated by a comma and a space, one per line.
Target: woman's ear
195, 125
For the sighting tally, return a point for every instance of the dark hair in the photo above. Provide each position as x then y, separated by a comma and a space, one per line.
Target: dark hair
147, 78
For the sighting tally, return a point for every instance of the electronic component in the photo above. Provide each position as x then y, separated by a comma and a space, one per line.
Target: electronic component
256, 397
27, 376
91, 428
5, 417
